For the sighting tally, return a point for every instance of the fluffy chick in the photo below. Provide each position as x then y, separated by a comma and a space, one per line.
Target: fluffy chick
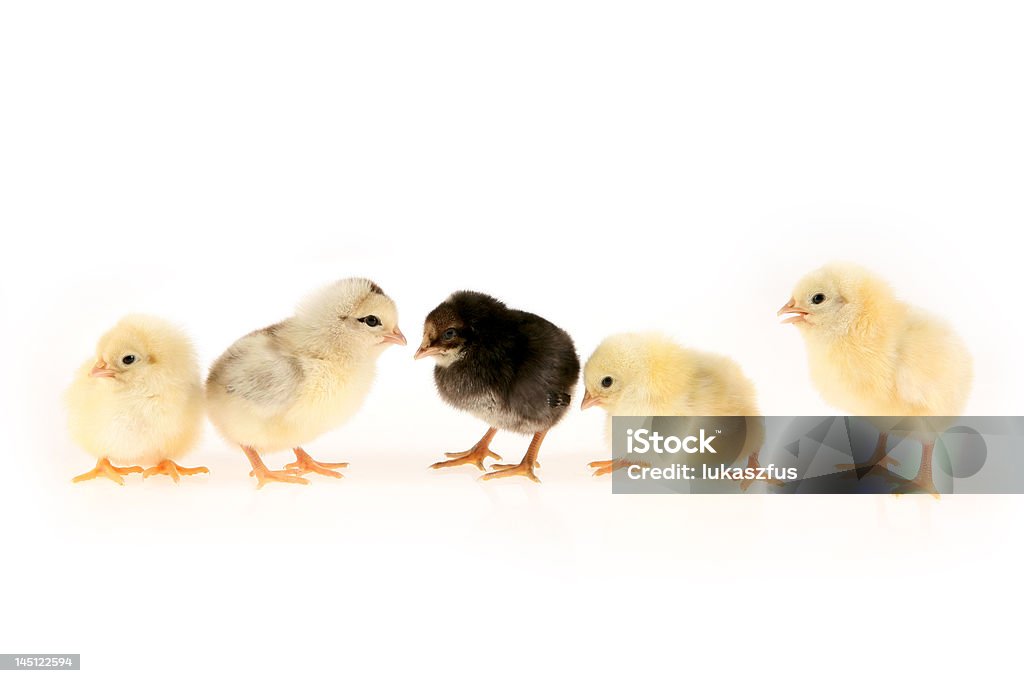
286, 384
871, 354
139, 402
512, 369
649, 374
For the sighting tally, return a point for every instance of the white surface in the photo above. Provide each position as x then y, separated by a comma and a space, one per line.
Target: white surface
609, 167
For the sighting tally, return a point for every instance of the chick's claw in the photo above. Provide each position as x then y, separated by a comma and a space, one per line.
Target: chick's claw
603, 467
173, 470
754, 462
917, 486
108, 471
525, 466
523, 469
474, 456
265, 476
747, 483
924, 481
304, 463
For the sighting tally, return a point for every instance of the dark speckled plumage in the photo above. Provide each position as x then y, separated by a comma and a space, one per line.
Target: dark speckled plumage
515, 370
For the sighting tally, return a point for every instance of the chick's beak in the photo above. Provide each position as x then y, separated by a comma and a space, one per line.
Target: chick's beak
791, 307
396, 337
101, 370
426, 350
589, 401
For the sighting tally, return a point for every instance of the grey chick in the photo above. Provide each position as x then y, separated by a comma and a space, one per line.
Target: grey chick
286, 384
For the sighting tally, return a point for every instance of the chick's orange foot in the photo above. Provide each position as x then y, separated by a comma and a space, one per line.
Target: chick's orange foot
173, 470
603, 467
917, 485
754, 462
108, 471
470, 457
474, 456
523, 469
924, 482
304, 463
265, 476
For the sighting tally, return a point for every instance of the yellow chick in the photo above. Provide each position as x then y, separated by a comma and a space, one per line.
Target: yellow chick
871, 354
649, 374
139, 402
287, 384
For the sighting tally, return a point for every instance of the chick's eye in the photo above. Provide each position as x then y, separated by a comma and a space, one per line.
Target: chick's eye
818, 298
370, 320
449, 334
128, 360
606, 382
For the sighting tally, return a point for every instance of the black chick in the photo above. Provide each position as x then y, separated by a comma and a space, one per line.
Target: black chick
512, 369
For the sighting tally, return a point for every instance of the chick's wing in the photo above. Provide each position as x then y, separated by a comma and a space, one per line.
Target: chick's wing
934, 368
258, 370
547, 370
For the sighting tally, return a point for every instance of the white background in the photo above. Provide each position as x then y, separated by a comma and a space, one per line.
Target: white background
611, 166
